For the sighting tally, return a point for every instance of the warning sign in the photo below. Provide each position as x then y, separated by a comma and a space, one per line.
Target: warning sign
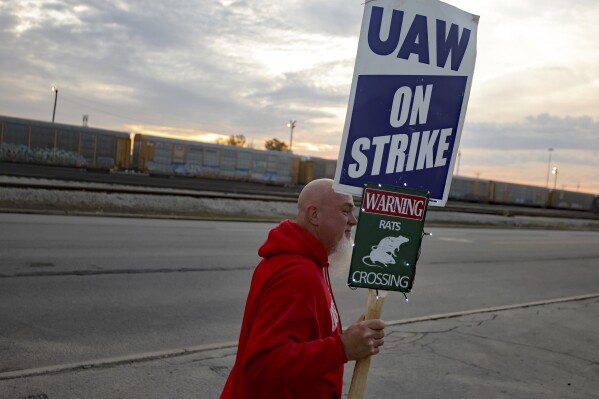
388, 237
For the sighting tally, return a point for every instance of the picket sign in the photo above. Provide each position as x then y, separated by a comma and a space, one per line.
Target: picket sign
405, 116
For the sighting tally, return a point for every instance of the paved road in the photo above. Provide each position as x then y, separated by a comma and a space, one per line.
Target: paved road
79, 289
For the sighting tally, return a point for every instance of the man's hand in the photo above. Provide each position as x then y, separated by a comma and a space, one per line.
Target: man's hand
363, 339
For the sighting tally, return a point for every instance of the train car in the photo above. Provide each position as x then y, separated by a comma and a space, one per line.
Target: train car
160, 155
469, 189
572, 200
521, 194
31, 141
518, 194
497, 192
312, 168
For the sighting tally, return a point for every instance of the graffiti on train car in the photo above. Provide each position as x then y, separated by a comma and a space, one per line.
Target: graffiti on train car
29, 141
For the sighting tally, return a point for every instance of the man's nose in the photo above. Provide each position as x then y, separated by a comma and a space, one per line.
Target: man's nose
352, 219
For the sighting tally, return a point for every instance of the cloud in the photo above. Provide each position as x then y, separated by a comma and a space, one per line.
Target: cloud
225, 67
176, 62
519, 151
537, 132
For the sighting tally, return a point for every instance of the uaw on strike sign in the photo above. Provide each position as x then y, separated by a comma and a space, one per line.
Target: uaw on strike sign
408, 98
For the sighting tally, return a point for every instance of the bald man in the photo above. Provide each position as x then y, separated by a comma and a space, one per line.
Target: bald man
291, 343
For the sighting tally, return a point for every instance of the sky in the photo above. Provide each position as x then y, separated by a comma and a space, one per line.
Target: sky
199, 70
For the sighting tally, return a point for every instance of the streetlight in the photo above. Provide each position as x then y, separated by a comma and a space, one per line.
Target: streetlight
554, 172
548, 167
55, 90
291, 125
459, 156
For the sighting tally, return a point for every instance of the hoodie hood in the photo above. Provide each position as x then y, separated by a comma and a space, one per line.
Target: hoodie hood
290, 238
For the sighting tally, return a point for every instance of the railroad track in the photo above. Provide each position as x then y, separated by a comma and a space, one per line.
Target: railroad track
117, 189
65, 178
74, 179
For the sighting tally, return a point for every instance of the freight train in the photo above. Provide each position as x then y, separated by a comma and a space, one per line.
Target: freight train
30, 141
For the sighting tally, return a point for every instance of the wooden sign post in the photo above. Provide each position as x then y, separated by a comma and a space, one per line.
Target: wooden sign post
374, 309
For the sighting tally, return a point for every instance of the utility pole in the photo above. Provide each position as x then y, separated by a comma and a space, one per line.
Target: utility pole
55, 90
291, 125
548, 167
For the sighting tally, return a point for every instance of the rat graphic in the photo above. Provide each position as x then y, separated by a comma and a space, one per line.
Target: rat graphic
385, 252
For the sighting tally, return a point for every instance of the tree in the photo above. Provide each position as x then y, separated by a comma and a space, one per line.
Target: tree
276, 145
234, 140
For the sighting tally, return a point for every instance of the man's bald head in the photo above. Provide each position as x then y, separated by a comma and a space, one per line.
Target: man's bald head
316, 192
326, 214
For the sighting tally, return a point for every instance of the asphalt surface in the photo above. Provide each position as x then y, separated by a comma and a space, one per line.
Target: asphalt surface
143, 308
521, 348
533, 351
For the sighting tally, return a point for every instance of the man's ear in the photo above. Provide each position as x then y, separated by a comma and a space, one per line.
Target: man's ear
313, 215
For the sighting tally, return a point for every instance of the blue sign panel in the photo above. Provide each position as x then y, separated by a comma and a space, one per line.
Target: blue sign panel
403, 130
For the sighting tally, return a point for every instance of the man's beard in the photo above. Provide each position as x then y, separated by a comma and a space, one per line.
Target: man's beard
340, 259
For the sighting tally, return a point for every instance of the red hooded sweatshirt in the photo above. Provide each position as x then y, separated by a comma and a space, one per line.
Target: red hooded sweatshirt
289, 345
